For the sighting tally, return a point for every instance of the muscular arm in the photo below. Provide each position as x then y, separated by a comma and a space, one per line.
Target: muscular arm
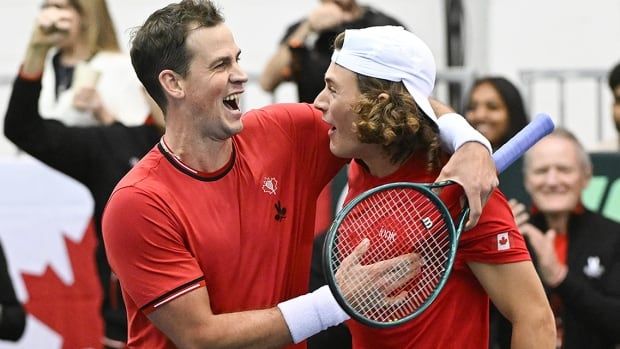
517, 292
189, 322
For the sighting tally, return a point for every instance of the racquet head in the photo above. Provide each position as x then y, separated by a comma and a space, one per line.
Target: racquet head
396, 243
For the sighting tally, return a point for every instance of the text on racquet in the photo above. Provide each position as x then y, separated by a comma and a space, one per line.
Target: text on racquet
390, 251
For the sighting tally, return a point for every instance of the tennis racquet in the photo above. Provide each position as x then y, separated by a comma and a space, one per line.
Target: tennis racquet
390, 251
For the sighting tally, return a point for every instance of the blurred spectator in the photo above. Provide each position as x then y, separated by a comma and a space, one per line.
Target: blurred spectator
613, 145
87, 80
496, 109
96, 156
68, 33
306, 48
576, 251
12, 315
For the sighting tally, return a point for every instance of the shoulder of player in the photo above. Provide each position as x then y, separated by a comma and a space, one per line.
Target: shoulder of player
282, 114
143, 177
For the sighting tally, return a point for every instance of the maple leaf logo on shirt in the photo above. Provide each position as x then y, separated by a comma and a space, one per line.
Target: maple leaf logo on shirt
270, 185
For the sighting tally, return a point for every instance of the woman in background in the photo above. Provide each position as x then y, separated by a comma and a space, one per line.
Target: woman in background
86, 80
495, 108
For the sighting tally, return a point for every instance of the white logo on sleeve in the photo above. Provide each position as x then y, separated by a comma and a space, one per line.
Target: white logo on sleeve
503, 242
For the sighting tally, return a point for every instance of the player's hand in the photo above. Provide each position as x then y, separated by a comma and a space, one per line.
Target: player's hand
473, 168
371, 286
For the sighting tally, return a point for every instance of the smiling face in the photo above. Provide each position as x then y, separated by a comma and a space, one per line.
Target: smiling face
488, 113
335, 101
555, 174
214, 82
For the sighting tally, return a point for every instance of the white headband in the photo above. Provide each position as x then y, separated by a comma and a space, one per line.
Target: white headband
391, 53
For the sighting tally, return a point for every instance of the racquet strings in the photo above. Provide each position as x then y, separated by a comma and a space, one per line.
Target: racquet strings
397, 221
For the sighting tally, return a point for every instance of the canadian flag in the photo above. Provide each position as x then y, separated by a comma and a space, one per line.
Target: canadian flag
503, 243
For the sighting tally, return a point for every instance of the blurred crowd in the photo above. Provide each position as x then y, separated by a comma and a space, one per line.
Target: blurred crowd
77, 106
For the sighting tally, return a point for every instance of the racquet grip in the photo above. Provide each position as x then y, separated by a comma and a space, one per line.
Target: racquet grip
541, 126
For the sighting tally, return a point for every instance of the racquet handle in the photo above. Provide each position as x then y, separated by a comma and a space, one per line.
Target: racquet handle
541, 126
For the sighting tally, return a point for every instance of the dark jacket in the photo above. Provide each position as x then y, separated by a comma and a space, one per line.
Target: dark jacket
589, 297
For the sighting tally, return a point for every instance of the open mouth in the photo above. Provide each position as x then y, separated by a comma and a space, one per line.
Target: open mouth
232, 101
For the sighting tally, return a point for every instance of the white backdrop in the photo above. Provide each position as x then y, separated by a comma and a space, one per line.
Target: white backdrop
503, 37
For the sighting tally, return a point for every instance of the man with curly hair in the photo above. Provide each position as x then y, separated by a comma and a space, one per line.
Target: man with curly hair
376, 98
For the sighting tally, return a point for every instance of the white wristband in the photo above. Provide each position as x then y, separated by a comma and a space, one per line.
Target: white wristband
311, 313
455, 131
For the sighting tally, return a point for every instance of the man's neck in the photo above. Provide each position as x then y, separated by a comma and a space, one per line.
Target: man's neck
198, 152
558, 222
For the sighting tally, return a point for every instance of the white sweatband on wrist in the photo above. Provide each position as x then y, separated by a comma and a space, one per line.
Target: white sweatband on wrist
455, 131
311, 313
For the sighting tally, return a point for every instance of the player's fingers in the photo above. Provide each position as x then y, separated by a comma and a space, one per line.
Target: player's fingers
357, 253
475, 209
398, 299
403, 274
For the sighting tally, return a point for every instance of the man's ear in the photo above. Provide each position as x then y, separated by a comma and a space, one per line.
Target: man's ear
172, 83
384, 97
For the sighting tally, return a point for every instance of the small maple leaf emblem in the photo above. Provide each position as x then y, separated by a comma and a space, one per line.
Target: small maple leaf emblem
280, 212
503, 243
270, 185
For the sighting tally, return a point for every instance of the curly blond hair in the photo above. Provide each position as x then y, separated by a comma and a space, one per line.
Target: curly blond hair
395, 122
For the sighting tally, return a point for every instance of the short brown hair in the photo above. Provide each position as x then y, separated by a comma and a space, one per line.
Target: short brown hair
160, 43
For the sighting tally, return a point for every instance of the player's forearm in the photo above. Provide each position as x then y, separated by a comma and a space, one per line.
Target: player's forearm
249, 329
537, 330
292, 321
455, 131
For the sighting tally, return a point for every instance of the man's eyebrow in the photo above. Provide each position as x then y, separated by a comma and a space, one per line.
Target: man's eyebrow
223, 59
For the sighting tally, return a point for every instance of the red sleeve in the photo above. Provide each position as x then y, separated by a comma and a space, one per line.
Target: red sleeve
495, 239
307, 135
146, 248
